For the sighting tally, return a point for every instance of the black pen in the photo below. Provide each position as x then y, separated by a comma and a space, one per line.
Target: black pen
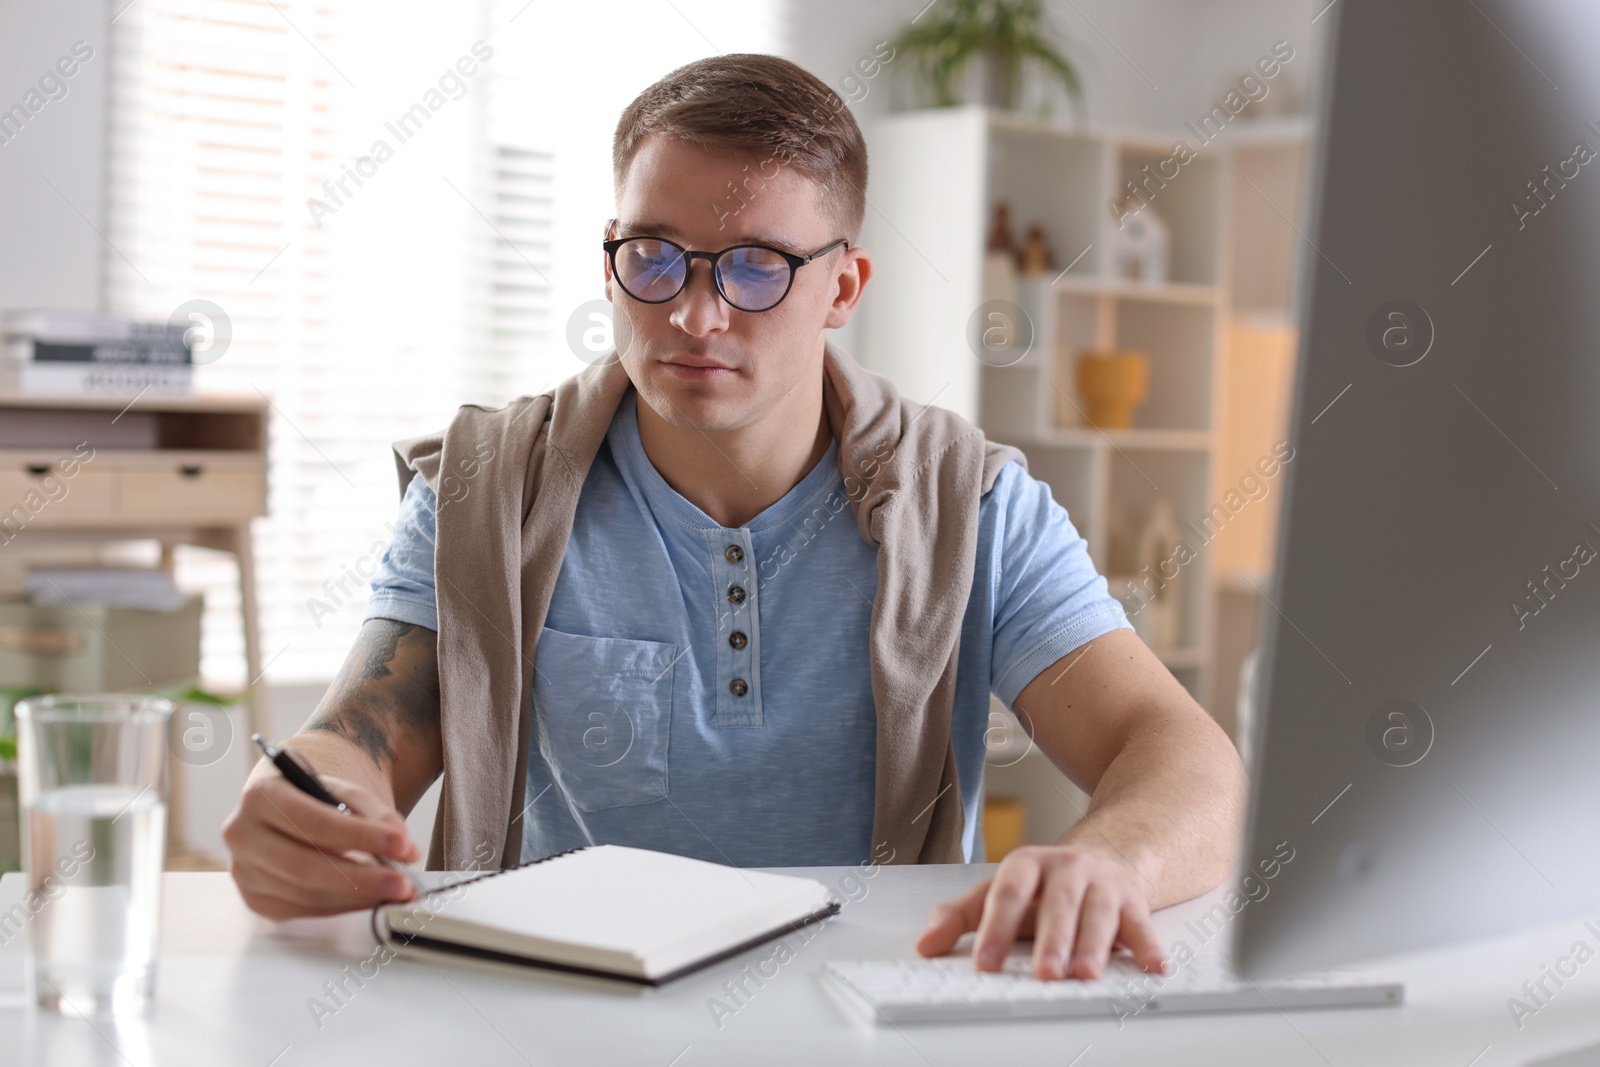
301, 777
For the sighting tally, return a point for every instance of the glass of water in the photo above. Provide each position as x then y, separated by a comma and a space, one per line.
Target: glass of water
92, 778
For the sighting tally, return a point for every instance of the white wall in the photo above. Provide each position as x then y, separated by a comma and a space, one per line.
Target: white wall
1229, 35
49, 250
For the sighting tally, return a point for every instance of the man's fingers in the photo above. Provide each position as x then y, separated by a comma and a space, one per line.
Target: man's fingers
948, 921
278, 898
316, 880
295, 855
1007, 903
364, 803
294, 814
1097, 926
1077, 911
319, 873
1060, 900
1139, 934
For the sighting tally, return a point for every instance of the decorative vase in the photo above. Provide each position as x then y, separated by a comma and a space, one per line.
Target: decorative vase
1112, 384
999, 277
993, 81
1000, 258
1039, 302
1154, 619
1005, 826
1141, 246
1146, 575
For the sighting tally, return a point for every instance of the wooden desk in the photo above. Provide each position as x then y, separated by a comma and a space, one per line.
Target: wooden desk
179, 470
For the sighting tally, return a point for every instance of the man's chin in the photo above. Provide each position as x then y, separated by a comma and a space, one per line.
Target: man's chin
709, 405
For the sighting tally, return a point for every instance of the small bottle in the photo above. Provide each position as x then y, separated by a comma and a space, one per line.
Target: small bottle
1000, 258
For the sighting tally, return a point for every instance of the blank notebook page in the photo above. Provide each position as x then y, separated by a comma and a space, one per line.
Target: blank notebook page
630, 900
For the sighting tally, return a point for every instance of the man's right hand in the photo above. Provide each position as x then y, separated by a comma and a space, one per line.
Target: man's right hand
293, 855
375, 743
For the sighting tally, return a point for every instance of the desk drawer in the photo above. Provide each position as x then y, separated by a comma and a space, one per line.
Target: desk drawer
191, 490
38, 493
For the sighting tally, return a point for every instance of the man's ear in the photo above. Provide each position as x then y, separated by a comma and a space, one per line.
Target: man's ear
849, 283
605, 265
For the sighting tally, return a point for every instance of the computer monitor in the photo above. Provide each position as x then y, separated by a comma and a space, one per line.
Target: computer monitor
1429, 680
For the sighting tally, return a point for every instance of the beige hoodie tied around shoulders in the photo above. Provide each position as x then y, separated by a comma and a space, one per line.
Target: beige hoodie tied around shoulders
507, 482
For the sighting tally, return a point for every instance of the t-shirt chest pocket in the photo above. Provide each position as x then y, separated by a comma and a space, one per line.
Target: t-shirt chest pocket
602, 715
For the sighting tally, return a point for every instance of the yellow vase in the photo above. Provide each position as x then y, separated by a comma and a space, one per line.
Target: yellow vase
1112, 383
1005, 825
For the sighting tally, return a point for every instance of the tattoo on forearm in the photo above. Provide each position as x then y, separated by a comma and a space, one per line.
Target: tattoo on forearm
381, 649
383, 689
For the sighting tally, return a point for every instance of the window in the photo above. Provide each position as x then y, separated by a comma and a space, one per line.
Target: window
388, 235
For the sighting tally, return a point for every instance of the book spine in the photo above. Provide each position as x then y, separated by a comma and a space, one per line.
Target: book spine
156, 352
88, 329
104, 379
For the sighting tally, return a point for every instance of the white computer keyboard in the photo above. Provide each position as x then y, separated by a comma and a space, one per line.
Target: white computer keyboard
950, 988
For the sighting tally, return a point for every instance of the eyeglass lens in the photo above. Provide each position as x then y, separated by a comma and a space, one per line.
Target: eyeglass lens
751, 278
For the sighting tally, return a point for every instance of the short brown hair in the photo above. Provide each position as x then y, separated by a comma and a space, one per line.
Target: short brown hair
764, 105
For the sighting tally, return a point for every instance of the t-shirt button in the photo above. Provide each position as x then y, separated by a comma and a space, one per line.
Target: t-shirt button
737, 639
734, 554
738, 687
736, 594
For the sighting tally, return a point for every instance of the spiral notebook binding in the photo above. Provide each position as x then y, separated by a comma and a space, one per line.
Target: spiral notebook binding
388, 936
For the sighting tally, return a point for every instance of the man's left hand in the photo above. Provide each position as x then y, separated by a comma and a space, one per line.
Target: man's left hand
1076, 901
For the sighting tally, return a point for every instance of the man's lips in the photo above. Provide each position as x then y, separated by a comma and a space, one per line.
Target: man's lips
697, 362
691, 368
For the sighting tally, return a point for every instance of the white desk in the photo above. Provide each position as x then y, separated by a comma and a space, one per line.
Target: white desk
233, 990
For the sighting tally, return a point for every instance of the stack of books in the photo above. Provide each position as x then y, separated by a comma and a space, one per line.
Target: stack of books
149, 588
82, 353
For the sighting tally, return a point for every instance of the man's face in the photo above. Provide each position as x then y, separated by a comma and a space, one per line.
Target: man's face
681, 192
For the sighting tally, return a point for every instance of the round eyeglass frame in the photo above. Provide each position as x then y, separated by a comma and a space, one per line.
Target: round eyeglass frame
795, 263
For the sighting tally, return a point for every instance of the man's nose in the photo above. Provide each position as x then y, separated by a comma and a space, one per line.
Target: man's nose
699, 309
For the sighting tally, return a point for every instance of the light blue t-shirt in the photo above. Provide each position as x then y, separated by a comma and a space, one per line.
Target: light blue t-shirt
707, 690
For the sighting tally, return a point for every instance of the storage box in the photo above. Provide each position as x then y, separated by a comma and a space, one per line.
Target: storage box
91, 648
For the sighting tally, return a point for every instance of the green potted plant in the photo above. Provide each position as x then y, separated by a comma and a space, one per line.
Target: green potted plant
1005, 37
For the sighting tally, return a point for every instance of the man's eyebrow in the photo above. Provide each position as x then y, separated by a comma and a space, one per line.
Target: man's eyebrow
662, 229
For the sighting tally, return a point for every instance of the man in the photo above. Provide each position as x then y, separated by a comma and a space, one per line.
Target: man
730, 597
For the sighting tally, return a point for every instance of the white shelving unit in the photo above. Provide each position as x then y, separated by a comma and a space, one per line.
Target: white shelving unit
937, 177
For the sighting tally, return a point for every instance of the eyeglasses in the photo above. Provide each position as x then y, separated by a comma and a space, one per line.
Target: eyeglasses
654, 270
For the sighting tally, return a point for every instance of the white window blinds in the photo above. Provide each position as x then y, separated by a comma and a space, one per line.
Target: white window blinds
396, 215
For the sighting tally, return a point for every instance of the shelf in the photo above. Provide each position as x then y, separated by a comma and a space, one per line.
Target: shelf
1137, 439
1262, 318
201, 422
1241, 580
1062, 178
1287, 131
1123, 289
195, 402
1127, 139
1011, 122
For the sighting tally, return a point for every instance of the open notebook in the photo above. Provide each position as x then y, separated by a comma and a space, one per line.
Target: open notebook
606, 910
